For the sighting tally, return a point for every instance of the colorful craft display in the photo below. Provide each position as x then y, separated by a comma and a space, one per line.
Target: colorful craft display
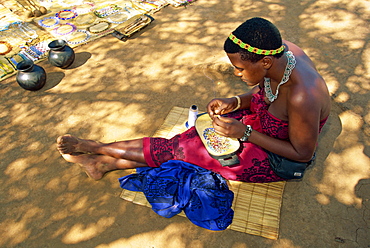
7, 18
75, 21
35, 52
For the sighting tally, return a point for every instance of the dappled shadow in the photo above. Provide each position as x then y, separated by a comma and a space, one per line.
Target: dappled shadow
52, 80
80, 59
119, 90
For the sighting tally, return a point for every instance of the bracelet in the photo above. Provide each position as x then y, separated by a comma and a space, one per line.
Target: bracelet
247, 133
239, 103
57, 15
8, 47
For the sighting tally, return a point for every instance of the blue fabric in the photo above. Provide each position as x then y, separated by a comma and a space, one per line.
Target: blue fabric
176, 185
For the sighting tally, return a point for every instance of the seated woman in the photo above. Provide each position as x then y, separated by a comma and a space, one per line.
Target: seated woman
282, 114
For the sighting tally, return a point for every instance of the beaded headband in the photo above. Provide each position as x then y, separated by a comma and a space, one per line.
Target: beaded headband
255, 50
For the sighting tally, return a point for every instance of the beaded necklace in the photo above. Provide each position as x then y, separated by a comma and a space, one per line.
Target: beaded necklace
61, 14
288, 70
64, 27
85, 36
48, 24
8, 47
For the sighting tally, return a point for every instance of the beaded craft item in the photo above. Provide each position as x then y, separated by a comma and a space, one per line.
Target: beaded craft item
69, 3
84, 8
222, 148
48, 22
118, 18
65, 29
5, 48
66, 14
288, 70
85, 19
27, 32
106, 10
99, 27
177, 3
255, 50
216, 142
79, 37
7, 18
5, 68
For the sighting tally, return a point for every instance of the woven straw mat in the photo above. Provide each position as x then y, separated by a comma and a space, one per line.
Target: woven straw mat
256, 205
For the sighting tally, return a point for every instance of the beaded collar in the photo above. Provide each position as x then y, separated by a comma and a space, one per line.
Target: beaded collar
288, 70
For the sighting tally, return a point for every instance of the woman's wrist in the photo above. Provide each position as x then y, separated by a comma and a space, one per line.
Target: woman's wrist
238, 103
247, 133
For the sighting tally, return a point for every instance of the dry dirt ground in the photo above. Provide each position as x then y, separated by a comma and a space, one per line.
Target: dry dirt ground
118, 90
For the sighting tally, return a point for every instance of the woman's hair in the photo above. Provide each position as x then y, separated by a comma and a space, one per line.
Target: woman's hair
258, 33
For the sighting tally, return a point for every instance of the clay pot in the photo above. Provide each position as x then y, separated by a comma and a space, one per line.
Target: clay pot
60, 54
30, 76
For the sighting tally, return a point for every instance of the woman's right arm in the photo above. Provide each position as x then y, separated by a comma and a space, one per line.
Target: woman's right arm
219, 106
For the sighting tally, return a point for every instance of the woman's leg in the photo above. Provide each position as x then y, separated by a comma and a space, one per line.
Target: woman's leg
95, 166
129, 150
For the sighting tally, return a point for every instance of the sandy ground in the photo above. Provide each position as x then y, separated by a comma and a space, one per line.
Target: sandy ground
119, 90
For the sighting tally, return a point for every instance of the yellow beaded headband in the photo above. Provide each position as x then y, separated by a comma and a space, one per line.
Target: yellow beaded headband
255, 50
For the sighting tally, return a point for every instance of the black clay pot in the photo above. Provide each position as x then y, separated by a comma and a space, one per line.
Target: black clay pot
30, 76
60, 54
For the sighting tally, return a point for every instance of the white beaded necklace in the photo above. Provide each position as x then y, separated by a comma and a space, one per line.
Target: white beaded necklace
288, 70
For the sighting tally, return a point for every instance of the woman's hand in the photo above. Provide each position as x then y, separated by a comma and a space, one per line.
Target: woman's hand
228, 127
220, 106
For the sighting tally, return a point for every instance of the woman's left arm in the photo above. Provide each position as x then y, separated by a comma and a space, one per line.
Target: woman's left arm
304, 118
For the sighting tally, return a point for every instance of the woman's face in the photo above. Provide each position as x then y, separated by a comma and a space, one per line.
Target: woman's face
251, 73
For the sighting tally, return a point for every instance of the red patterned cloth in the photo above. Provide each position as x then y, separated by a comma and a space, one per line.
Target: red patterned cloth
254, 164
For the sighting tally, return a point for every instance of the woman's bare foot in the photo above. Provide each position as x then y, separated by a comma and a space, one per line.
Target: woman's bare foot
68, 144
88, 163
